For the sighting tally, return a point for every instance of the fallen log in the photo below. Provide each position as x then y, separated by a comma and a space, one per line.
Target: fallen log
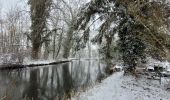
20, 66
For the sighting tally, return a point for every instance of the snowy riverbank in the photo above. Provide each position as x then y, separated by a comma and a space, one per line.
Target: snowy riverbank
119, 87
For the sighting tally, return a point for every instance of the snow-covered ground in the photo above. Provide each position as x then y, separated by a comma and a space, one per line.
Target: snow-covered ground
27, 62
151, 62
120, 87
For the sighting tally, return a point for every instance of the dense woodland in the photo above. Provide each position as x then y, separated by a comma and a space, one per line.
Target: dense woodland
127, 30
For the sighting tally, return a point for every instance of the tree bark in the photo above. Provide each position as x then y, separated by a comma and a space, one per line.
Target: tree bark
35, 51
68, 43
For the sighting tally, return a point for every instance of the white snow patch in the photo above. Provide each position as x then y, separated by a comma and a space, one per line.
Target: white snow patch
27, 62
119, 66
152, 62
119, 87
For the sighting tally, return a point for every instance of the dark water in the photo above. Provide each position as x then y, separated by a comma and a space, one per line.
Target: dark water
55, 82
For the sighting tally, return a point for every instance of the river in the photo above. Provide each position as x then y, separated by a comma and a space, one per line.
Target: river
56, 82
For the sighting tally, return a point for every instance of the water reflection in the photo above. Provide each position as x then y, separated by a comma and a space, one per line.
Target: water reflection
55, 82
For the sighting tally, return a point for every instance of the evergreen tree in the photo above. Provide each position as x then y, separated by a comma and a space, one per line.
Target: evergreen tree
138, 23
131, 47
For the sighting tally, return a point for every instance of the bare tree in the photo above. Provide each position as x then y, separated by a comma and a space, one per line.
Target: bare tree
68, 14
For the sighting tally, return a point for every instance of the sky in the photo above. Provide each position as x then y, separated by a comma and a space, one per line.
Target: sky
5, 5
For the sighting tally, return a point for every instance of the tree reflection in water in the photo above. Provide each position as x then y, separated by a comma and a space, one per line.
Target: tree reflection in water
32, 90
55, 82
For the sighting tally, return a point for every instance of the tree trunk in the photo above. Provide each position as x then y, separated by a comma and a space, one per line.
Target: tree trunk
54, 45
39, 13
108, 57
68, 43
35, 51
59, 44
46, 52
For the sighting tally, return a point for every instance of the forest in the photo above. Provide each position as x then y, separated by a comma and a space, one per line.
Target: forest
84, 49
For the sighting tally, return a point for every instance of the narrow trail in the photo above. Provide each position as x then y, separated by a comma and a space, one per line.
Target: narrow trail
119, 87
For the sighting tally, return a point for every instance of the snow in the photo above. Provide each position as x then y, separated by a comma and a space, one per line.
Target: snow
150, 67
27, 62
120, 87
117, 66
152, 62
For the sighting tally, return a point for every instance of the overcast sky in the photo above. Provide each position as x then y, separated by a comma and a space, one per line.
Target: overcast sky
8, 4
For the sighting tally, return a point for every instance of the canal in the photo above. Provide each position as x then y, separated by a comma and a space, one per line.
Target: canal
54, 82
